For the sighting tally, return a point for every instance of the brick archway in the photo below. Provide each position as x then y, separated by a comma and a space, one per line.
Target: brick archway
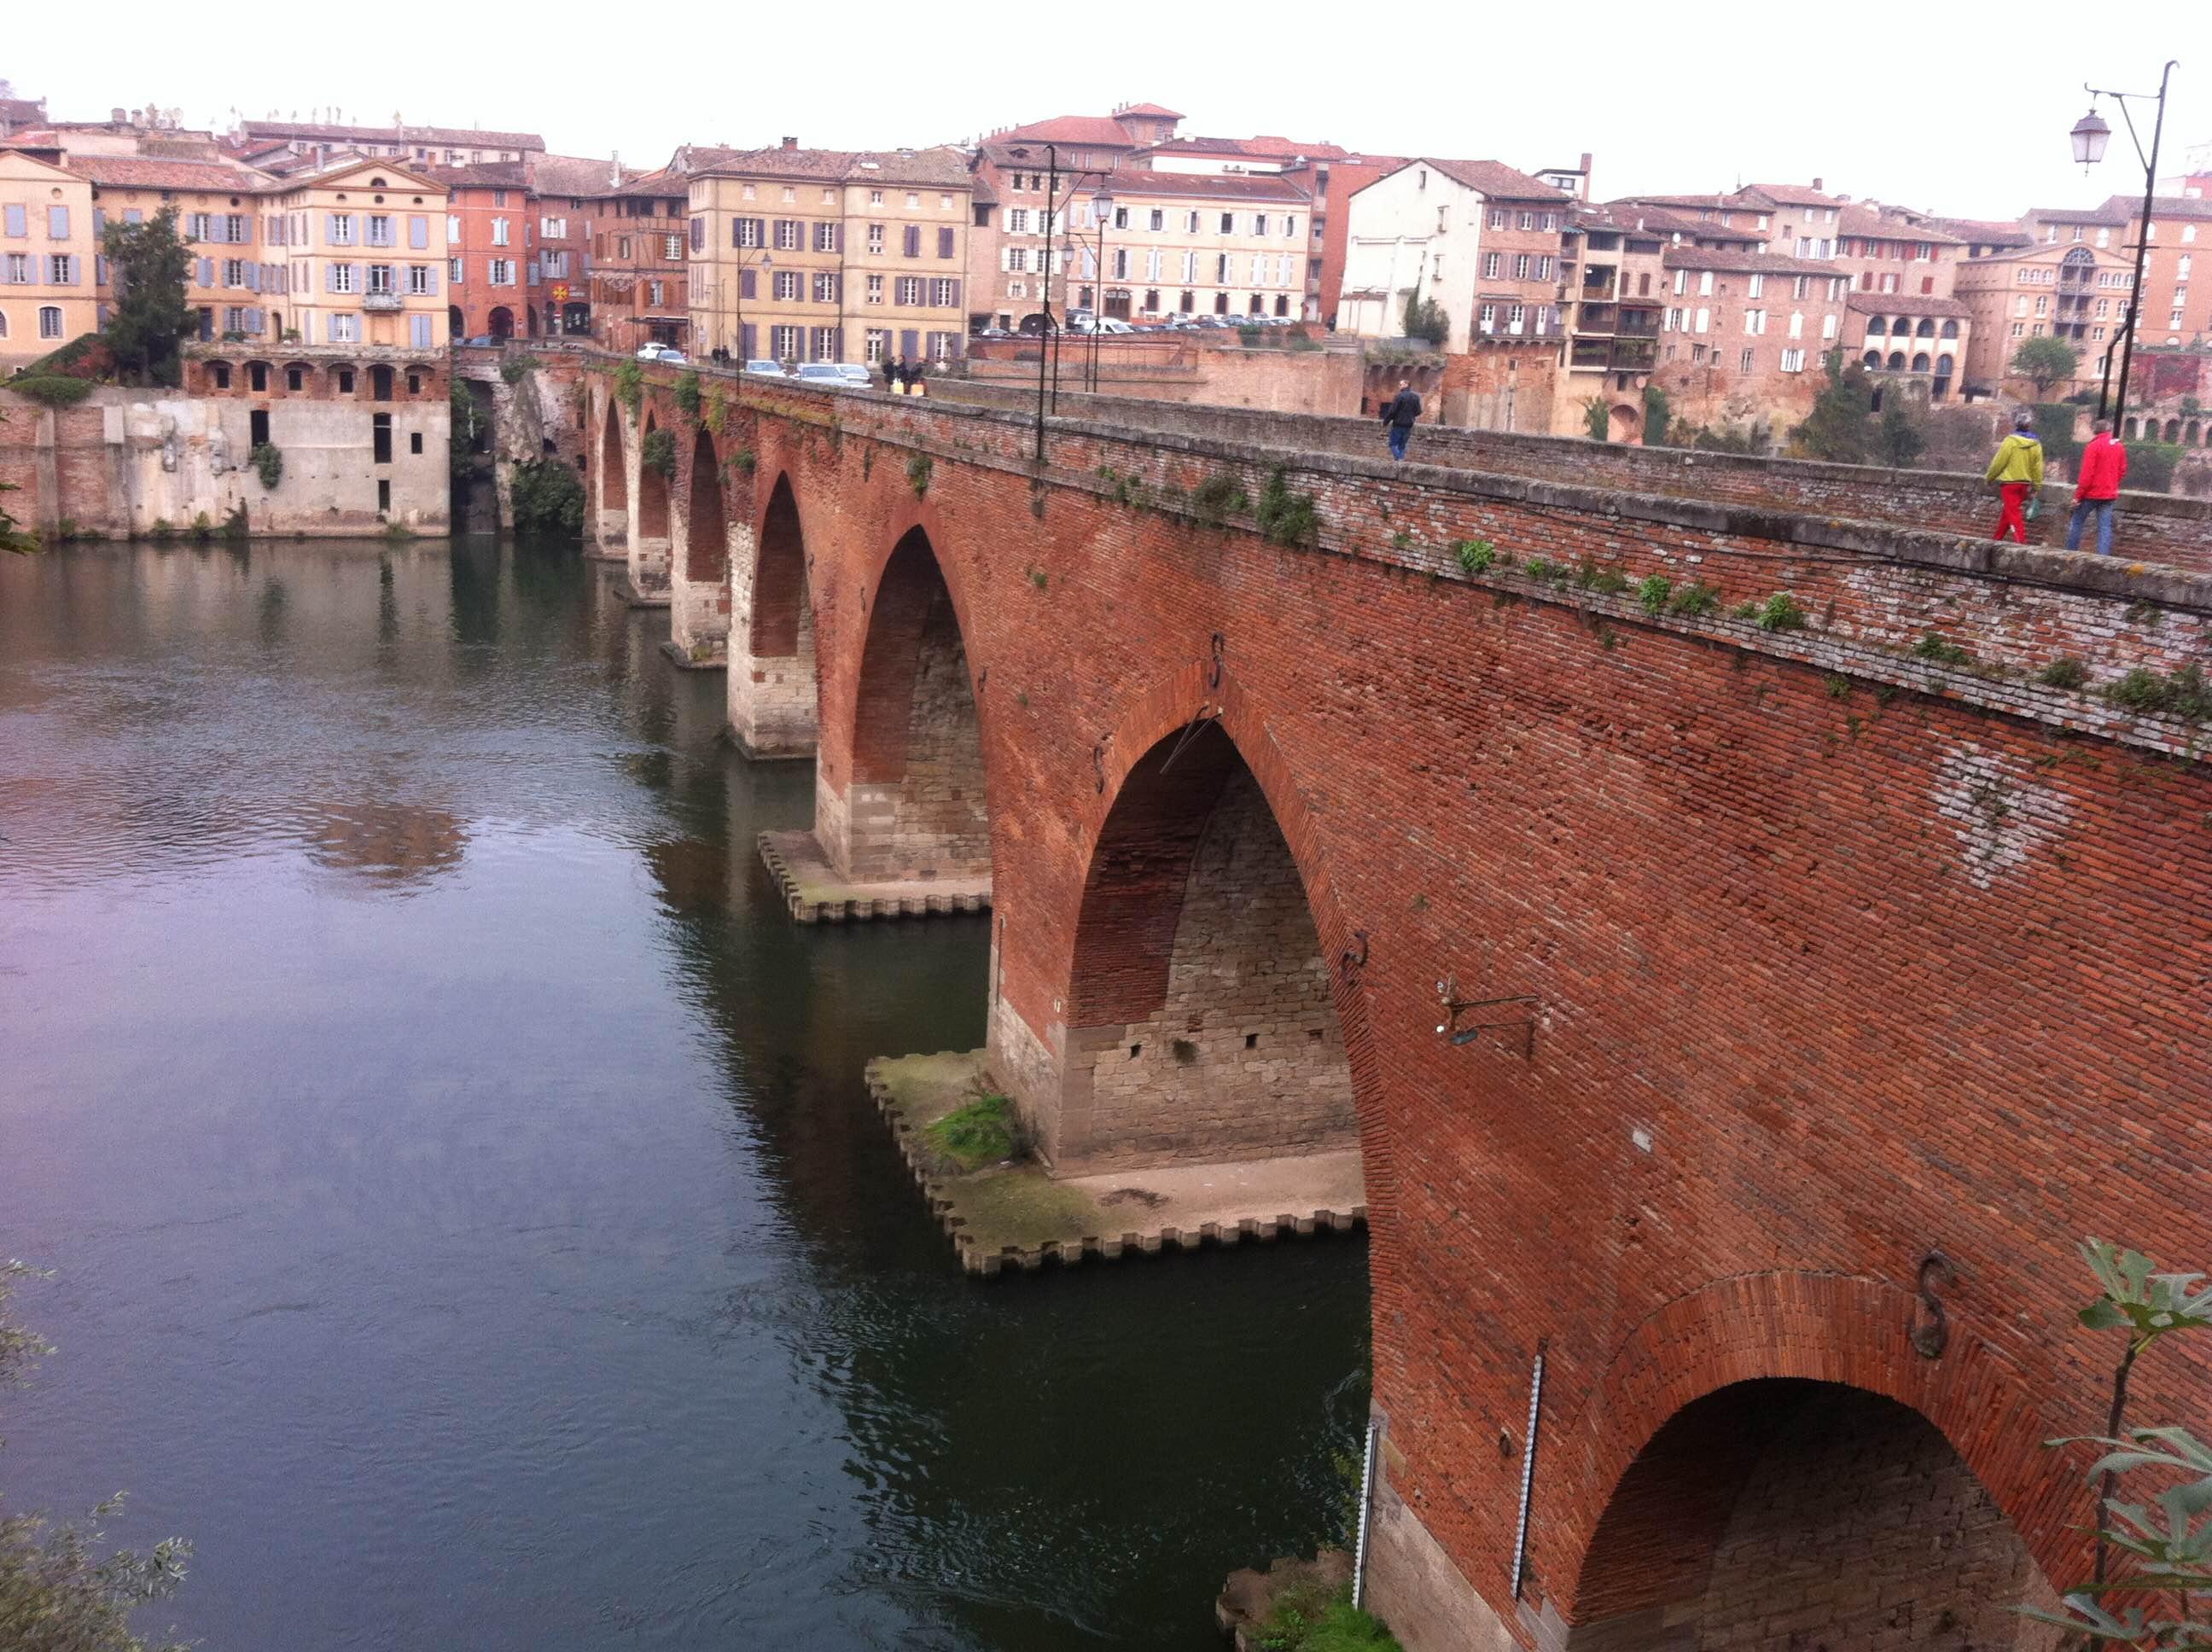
1606, 1499
651, 489
706, 526
915, 804
776, 686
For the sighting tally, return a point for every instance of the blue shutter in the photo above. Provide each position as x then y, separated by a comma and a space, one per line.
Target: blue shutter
100, 221
956, 292
747, 338
418, 230
58, 222
207, 272
748, 283
910, 343
360, 279
254, 322
329, 277
133, 216
433, 269
99, 270
944, 243
17, 224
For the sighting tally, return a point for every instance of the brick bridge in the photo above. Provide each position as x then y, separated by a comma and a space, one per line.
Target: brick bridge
1822, 949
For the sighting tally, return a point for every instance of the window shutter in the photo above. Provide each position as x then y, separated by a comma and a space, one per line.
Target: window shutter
253, 322
945, 242
431, 271
418, 230
16, 225
914, 240
360, 279
956, 292
100, 221
747, 338
99, 270
749, 285
910, 343
207, 272
329, 277
58, 222
253, 277
737, 232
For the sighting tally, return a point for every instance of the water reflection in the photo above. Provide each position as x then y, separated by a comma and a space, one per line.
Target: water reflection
471, 1227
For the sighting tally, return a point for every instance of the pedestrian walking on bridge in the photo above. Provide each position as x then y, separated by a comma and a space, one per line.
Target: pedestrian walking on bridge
2097, 479
2017, 469
1400, 413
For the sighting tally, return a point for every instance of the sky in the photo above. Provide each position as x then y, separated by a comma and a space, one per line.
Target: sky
1949, 107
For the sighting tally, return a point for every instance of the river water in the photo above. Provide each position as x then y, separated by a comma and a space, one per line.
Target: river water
468, 1224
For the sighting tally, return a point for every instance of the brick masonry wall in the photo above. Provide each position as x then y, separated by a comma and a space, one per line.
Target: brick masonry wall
1836, 956
2159, 528
1244, 1057
772, 698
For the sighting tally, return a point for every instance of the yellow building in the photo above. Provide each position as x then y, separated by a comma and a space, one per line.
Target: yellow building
234, 280
362, 251
47, 253
827, 255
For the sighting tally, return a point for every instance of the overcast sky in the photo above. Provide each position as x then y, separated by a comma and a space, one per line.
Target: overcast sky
1961, 108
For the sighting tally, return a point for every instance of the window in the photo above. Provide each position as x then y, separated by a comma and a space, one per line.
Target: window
909, 291
415, 441
1793, 361
1259, 223
743, 233
1758, 287
1523, 264
1681, 282
910, 240
1159, 219
1514, 313
1493, 266
346, 329
341, 277
671, 247
500, 272
825, 238
553, 229
1151, 300
875, 343
1754, 321
57, 223
1749, 358
1828, 326
2019, 328
1500, 218
786, 234
454, 271
499, 228
1705, 283
50, 321
1121, 265
1190, 224
944, 294
786, 285
1018, 257
379, 230
825, 289
294, 379
1485, 319
1018, 223
1544, 270
784, 341
913, 200
1228, 222
61, 270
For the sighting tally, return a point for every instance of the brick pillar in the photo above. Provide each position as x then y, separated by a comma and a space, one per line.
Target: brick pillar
649, 522
773, 703
699, 585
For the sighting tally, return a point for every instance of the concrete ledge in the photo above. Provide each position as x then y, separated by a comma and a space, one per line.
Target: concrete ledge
683, 662
1016, 1217
815, 894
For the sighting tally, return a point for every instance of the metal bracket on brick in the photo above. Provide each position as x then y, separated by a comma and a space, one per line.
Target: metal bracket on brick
1453, 1030
1930, 1335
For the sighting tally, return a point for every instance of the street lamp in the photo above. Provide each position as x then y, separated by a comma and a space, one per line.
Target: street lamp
1101, 204
2091, 133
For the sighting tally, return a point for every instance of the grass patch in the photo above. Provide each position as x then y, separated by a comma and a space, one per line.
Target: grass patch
1652, 592
917, 474
1936, 646
1693, 600
1476, 555
981, 1131
1286, 518
2186, 694
1308, 1618
1606, 581
2063, 673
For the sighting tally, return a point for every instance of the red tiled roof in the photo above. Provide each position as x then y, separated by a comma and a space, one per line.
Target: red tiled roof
141, 171
1098, 131
487, 174
1869, 225
1495, 178
1791, 194
1912, 304
1658, 221
577, 175
1188, 185
1765, 263
2113, 211
2164, 206
941, 168
1271, 149
1150, 109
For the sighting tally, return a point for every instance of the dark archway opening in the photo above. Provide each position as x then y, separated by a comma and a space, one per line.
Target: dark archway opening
502, 322
652, 490
614, 477
1782, 1512
774, 701
915, 806
706, 535
1200, 1023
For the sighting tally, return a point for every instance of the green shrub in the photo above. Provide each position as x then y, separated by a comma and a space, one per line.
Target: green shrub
981, 1131
2151, 464
235, 526
688, 392
1218, 496
1609, 581
1935, 647
2063, 673
1779, 612
2184, 695
658, 452
1286, 518
1652, 591
162, 532
1306, 1619
629, 387
203, 529
1692, 600
917, 474
743, 461
268, 461
1543, 567
513, 368
1476, 555
52, 390
547, 497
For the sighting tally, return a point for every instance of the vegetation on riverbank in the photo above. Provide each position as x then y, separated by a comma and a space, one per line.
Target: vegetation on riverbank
1310, 1618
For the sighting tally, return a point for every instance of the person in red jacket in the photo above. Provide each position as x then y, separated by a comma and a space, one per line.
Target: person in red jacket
2097, 479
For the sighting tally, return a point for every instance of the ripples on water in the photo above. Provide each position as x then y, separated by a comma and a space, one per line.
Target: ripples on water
468, 1222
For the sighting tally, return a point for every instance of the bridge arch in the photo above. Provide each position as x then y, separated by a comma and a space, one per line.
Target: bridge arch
1749, 1433
775, 697
652, 488
706, 527
915, 805
614, 483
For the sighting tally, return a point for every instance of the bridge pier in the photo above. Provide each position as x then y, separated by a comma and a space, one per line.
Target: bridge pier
611, 485
699, 572
774, 700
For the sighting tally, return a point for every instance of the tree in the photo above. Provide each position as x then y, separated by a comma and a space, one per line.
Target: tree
2045, 363
55, 1594
148, 264
1658, 416
1425, 318
2163, 1542
16, 539
1597, 417
1840, 427
1899, 437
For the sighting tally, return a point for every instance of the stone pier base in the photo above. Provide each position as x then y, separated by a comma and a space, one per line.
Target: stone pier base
816, 895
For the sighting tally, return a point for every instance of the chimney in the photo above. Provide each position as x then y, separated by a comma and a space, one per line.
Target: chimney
1816, 187
790, 142
614, 171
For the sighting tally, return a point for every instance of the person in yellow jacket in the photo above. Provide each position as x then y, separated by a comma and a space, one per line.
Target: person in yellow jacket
2018, 472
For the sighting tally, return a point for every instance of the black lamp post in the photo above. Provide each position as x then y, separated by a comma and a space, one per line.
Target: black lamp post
1101, 202
2090, 135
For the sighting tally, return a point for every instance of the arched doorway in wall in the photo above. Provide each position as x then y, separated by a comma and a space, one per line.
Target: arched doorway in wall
775, 703
1627, 423
707, 544
915, 806
614, 474
651, 489
1200, 1020
455, 323
1782, 1510
502, 322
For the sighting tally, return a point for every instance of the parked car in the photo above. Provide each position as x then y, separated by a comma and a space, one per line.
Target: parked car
830, 376
651, 352
855, 374
993, 332
766, 370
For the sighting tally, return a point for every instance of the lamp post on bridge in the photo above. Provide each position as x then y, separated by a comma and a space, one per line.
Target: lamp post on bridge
2090, 135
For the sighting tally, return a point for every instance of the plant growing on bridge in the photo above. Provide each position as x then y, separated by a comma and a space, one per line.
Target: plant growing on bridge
513, 369
629, 387
1693, 600
268, 461
657, 453
982, 1131
2063, 673
2184, 694
688, 395
547, 497
1286, 518
1779, 612
718, 412
2157, 1550
1476, 555
1595, 576
1652, 591
917, 474
1936, 646
1219, 497
52, 390
56, 1593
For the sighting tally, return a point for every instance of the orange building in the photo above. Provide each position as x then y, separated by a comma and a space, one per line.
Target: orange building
638, 284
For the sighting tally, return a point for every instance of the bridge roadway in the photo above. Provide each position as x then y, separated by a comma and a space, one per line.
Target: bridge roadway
1806, 934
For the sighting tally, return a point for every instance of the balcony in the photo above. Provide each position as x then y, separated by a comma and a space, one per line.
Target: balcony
1601, 285
1638, 324
380, 301
1595, 317
1635, 355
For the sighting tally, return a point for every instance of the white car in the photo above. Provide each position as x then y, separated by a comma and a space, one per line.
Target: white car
856, 374
766, 370
661, 353
830, 376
